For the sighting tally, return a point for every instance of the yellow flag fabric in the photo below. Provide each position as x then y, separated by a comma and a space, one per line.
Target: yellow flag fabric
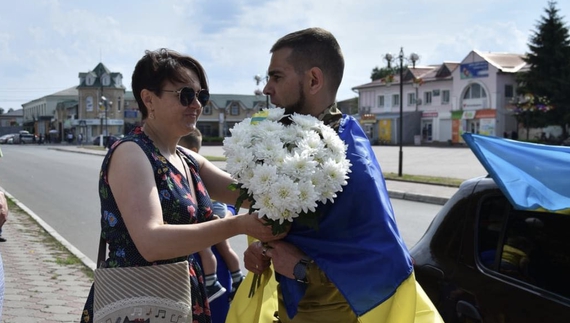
402, 307
259, 308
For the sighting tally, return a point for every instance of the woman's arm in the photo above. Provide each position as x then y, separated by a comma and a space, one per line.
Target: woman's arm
133, 185
217, 181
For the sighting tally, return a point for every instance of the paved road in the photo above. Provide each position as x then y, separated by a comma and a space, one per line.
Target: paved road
454, 162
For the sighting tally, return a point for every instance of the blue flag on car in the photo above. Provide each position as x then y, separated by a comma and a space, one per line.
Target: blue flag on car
533, 176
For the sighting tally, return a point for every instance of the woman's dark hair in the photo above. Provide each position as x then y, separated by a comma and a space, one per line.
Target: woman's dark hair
160, 66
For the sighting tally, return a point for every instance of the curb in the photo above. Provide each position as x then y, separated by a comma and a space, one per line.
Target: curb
71, 248
418, 197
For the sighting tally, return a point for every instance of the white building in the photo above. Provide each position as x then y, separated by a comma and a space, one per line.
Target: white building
443, 101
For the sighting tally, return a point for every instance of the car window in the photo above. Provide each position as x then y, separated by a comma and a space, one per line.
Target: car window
531, 247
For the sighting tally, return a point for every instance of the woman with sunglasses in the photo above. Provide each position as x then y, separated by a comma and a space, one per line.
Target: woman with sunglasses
155, 208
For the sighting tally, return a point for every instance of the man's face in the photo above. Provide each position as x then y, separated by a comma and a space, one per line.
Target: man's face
285, 86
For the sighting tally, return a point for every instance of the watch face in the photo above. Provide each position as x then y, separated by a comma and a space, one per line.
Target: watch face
300, 271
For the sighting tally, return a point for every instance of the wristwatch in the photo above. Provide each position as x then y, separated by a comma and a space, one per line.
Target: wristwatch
300, 270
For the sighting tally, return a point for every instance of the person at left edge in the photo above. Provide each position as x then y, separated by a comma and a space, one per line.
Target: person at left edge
151, 213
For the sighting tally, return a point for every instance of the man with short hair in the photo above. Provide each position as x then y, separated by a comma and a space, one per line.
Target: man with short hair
355, 267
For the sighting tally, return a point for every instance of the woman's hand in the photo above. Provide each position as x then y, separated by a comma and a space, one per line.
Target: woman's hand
259, 228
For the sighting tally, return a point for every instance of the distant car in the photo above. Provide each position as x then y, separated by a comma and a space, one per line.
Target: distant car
481, 260
107, 140
7, 139
24, 138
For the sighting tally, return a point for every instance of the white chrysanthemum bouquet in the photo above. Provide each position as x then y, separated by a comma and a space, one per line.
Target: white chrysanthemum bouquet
286, 164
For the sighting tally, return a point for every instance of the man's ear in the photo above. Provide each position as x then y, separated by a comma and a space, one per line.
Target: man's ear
316, 80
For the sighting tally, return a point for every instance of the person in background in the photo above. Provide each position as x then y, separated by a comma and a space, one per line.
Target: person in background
355, 267
3, 214
155, 208
193, 141
3, 218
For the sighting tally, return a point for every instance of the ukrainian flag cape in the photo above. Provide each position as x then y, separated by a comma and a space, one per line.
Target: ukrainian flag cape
357, 245
533, 176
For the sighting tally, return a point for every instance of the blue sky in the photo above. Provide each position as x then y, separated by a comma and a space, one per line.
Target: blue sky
45, 44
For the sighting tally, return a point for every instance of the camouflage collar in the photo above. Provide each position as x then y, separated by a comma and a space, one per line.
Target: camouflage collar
331, 116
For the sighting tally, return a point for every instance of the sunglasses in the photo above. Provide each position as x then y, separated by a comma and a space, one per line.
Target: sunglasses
187, 95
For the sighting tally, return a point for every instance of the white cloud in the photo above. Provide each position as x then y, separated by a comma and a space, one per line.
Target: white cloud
45, 44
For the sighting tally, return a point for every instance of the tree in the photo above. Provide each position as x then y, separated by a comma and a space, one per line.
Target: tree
1, 110
379, 73
549, 67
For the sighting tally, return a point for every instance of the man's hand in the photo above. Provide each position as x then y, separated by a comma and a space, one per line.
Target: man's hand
255, 258
284, 256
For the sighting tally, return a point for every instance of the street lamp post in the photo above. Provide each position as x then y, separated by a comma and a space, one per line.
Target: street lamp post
258, 78
413, 58
106, 104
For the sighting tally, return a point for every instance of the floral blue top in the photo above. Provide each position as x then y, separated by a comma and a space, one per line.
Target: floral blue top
178, 207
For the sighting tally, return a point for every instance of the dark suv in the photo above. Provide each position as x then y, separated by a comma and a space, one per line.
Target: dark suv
481, 260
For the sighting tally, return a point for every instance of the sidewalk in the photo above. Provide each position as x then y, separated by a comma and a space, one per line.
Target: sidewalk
43, 283
46, 284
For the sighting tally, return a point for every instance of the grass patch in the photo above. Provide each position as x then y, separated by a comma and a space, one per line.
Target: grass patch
215, 158
69, 260
92, 147
445, 181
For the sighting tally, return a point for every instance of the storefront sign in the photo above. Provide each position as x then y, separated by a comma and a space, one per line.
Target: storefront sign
468, 115
474, 70
486, 114
429, 114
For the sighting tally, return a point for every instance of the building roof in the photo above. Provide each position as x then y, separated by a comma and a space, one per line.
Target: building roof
97, 72
505, 62
224, 100
15, 113
72, 91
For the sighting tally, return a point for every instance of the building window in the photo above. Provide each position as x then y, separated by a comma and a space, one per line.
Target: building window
411, 98
445, 97
234, 111
395, 100
207, 109
475, 91
427, 98
380, 101
509, 91
106, 80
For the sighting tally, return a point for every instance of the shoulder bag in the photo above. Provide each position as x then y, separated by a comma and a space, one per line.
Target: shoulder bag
148, 294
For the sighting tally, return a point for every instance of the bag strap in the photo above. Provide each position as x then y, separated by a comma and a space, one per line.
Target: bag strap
186, 169
101, 254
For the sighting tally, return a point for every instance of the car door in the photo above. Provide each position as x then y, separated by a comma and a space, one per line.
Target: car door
490, 283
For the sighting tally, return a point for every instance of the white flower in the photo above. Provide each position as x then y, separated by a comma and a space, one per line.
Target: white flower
263, 177
287, 170
275, 114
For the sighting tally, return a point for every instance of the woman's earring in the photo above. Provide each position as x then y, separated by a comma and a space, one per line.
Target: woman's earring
151, 115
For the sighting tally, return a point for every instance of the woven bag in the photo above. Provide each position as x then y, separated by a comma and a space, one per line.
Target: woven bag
148, 294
